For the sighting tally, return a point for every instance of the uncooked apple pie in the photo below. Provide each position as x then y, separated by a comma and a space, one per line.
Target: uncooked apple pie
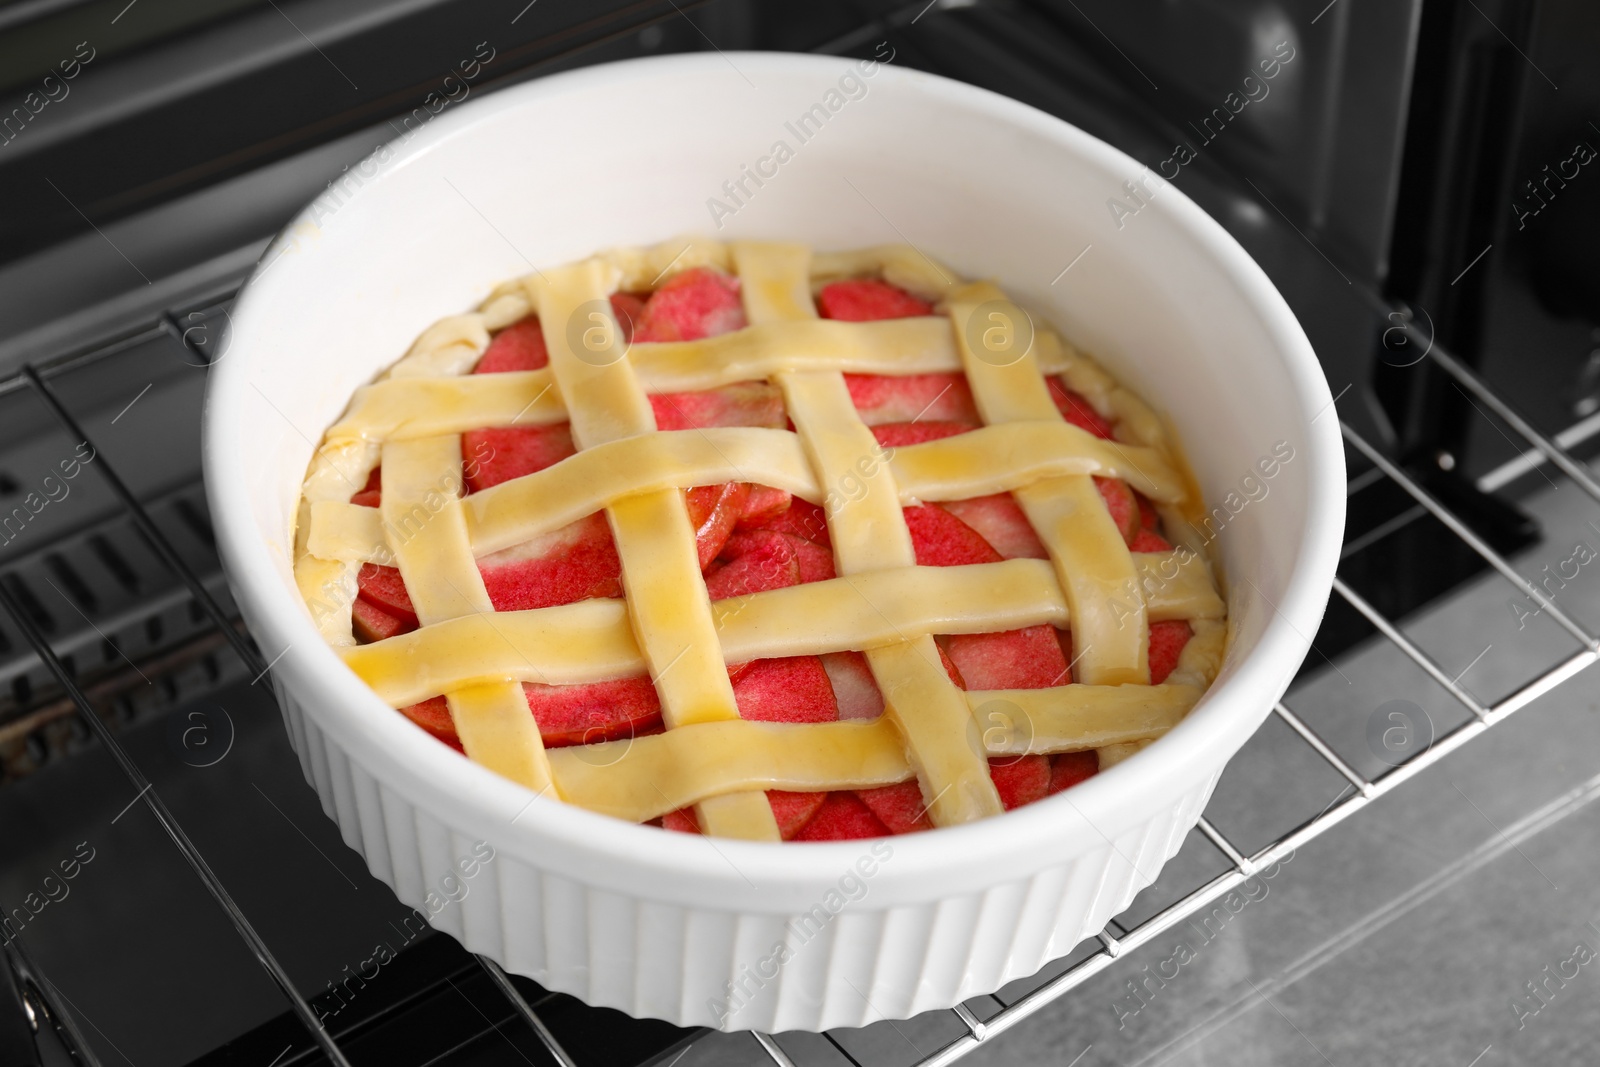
750, 541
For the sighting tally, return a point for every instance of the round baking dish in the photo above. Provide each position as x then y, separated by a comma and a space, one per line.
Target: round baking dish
727, 933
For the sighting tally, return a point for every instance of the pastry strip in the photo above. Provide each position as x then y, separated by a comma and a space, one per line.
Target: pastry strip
591, 641
863, 609
522, 508
891, 346
869, 533
876, 608
1110, 632
647, 777
328, 584
667, 599
427, 407
1074, 718
421, 510
415, 406
650, 776
1012, 455
990, 460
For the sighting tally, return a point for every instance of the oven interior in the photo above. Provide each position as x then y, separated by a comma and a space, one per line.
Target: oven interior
1412, 181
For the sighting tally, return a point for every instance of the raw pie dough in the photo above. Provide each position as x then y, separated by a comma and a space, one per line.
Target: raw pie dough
881, 603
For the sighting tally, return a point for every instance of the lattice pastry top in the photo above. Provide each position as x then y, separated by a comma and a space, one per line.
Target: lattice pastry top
762, 543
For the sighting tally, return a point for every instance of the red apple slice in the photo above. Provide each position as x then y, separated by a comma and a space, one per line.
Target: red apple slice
791, 689
1166, 645
433, 715
573, 563
1020, 780
371, 494
754, 562
371, 623
566, 714
868, 300
1147, 512
682, 821
1076, 409
896, 434
912, 398
1000, 521
739, 404
802, 518
898, 807
792, 810
699, 302
1067, 769
815, 562
628, 309
764, 504
384, 587
519, 346
1149, 541
950, 668
713, 510
842, 817
1029, 658
1122, 505
489, 457
855, 692
942, 540
593, 712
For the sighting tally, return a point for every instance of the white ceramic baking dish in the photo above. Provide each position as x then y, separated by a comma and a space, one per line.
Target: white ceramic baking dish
726, 933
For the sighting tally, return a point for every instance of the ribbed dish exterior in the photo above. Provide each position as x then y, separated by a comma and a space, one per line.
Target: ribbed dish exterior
690, 965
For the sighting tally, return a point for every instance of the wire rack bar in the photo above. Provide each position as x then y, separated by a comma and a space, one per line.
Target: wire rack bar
770, 1047
1463, 531
531, 1017
1243, 863
141, 518
1310, 737
1569, 465
974, 1027
152, 800
1421, 658
1541, 685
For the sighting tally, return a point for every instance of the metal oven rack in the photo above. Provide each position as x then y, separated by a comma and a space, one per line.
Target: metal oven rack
1114, 941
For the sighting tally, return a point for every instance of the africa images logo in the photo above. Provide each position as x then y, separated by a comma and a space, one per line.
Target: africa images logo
851, 85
